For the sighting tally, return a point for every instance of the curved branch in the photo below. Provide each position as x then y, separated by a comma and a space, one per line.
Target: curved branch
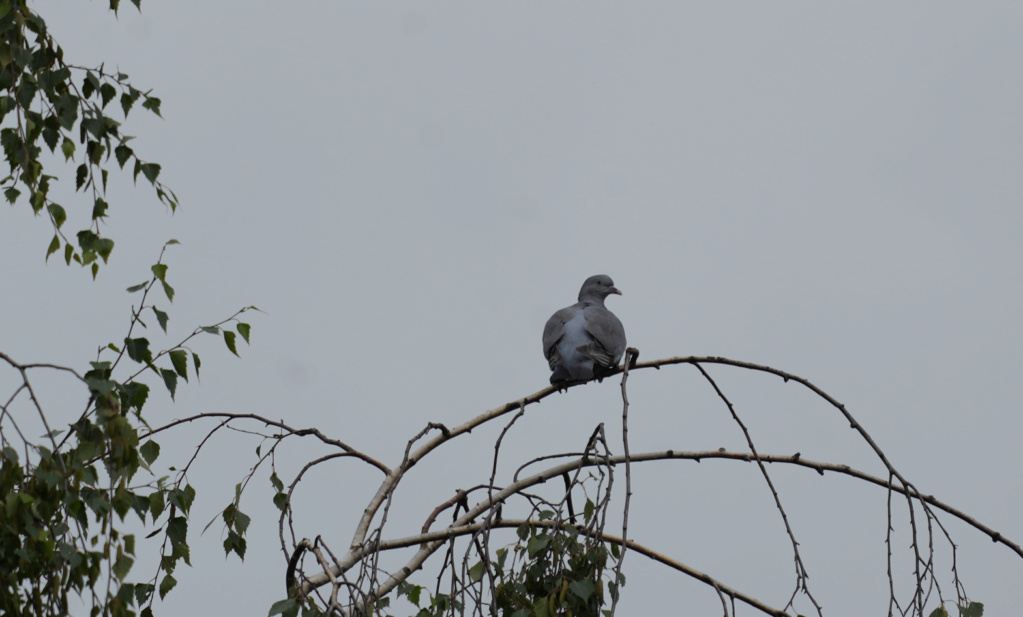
428, 547
389, 483
632, 545
281, 425
446, 435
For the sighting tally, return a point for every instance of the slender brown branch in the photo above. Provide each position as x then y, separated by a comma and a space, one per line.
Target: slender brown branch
464, 530
281, 425
291, 489
630, 361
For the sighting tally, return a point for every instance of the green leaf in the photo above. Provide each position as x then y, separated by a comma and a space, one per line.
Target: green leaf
95, 151
276, 481
68, 148
195, 363
87, 240
183, 498
26, 92
142, 593
99, 209
210, 329
234, 542
540, 607
90, 85
166, 585
122, 566
241, 521
123, 153
101, 387
50, 136
170, 379
162, 318
243, 329
54, 245
583, 588
149, 451
152, 104
537, 544
159, 271
282, 605
138, 349
156, 504
177, 528
104, 246
108, 92
168, 291
476, 572
179, 358
11, 194
81, 175
229, 340
150, 171
138, 287
974, 609
281, 501
127, 100
57, 213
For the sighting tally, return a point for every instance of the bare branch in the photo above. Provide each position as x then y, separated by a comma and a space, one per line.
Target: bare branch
431, 542
802, 575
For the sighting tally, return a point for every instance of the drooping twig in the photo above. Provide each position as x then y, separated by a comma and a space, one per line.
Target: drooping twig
801, 574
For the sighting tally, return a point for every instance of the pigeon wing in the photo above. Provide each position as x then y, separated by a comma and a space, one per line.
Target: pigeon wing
553, 332
608, 336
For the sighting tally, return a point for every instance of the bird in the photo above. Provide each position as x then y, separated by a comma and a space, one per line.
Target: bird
584, 340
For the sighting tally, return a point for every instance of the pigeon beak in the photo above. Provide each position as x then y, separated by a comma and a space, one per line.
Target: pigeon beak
614, 290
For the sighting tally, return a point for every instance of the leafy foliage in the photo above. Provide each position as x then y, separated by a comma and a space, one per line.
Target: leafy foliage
559, 572
65, 503
970, 609
47, 103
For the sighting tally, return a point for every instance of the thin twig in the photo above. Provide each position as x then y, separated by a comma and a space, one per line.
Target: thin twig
629, 359
801, 574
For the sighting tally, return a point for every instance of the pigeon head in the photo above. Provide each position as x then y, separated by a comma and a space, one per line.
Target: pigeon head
597, 288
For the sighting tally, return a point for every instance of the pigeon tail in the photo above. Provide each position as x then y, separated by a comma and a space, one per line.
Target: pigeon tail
571, 374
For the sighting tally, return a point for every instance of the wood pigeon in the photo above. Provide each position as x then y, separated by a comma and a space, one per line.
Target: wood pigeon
584, 340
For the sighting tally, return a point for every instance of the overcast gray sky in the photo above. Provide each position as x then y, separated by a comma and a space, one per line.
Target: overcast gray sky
409, 189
